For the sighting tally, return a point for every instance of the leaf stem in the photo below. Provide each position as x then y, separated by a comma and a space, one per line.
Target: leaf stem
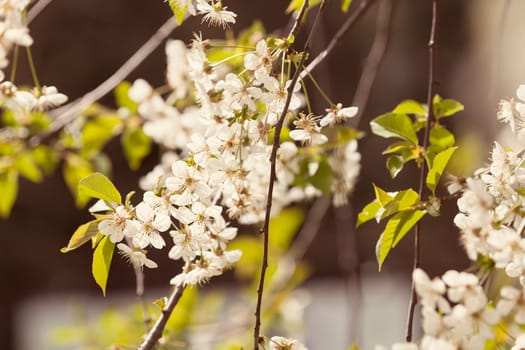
32, 68
423, 172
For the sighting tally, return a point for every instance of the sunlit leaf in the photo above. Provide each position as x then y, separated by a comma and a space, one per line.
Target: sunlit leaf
382, 196
396, 228
136, 144
83, 234
345, 5
75, 169
178, 9
394, 165
27, 167
322, 179
296, 5
394, 125
410, 107
99, 186
441, 137
284, 226
438, 166
102, 257
8, 190
97, 131
368, 212
446, 107
122, 97
46, 158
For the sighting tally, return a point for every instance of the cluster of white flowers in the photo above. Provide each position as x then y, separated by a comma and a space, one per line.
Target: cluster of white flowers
218, 161
214, 13
13, 29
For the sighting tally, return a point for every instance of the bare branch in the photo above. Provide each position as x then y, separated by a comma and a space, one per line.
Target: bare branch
155, 333
423, 172
349, 23
67, 113
36, 9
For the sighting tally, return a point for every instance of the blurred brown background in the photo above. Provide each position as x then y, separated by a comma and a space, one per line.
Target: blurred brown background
80, 43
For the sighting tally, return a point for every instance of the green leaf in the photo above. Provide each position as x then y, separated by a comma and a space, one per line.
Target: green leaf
284, 226
99, 186
8, 191
83, 234
46, 158
396, 228
410, 107
102, 262
345, 5
295, 5
122, 97
322, 179
75, 169
394, 165
438, 166
136, 144
441, 137
27, 167
394, 125
403, 200
368, 213
178, 10
97, 131
382, 196
446, 107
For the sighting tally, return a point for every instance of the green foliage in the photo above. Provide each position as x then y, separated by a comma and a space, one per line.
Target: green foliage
284, 226
99, 186
83, 234
437, 167
322, 178
396, 228
394, 125
345, 5
102, 257
97, 131
8, 190
445, 107
178, 9
136, 145
122, 97
296, 5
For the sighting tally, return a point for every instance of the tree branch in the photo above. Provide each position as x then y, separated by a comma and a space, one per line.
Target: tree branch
423, 172
36, 9
156, 332
65, 114
361, 10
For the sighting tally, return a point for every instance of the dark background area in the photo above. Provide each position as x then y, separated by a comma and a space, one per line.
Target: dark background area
80, 43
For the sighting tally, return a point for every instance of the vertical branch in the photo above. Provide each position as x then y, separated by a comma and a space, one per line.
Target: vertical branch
423, 172
139, 290
496, 61
155, 333
273, 176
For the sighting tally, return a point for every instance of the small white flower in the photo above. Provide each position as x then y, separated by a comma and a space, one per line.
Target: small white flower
281, 343
215, 14
118, 226
136, 257
338, 115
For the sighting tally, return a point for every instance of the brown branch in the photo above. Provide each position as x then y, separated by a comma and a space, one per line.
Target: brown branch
423, 172
36, 9
273, 177
361, 10
374, 58
155, 333
65, 114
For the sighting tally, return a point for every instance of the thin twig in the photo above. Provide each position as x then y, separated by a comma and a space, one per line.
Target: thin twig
298, 19
36, 9
496, 62
422, 174
158, 328
67, 113
139, 291
363, 6
374, 58
273, 177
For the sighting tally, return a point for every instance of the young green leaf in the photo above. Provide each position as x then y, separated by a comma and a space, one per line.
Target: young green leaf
83, 234
284, 226
438, 166
8, 191
394, 125
396, 228
102, 257
382, 196
441, 137
410, 107
394, 164
136, 144
27, 167
122, 97
446, 107
368, 213
75, 169
178, 9
99, 186
345, 5
322, 179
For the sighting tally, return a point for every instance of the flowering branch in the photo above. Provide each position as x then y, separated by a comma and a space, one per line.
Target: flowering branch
363, 6
67, 113
422, 174
156, 332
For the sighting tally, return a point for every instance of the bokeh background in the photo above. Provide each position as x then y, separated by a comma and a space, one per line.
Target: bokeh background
80, 43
